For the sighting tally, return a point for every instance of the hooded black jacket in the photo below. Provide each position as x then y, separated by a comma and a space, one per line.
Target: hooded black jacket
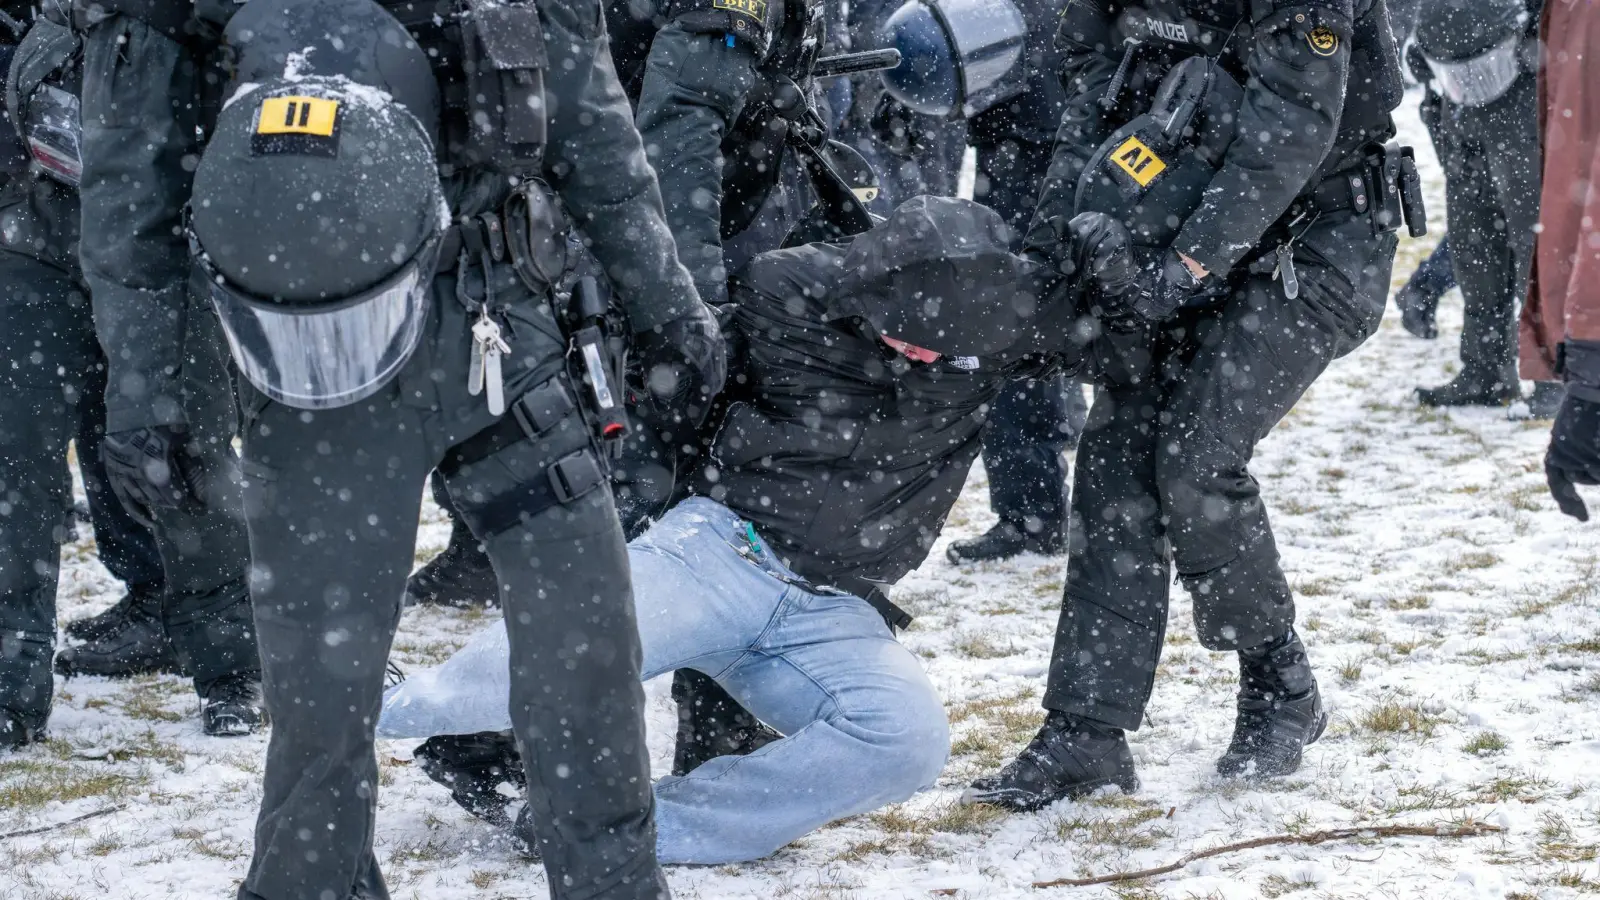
845, 455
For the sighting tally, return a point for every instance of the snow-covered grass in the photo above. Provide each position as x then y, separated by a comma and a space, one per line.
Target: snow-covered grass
1451, 612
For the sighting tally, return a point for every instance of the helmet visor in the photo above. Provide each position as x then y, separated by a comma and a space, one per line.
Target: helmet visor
53, 132
1481, 79
330, 355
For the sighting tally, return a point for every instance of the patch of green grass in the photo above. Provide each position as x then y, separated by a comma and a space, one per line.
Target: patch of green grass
1350, 671
1515, 785
1277, 886
1126, 828
1412, 601
1396, 716
984, 645
28, 784
1485, 743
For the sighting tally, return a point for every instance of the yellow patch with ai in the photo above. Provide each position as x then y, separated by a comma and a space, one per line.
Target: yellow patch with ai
1139, 161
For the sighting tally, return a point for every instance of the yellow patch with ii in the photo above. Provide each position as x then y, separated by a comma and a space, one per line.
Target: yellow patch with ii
298, 115
755, 9
1140, 162
1323, 41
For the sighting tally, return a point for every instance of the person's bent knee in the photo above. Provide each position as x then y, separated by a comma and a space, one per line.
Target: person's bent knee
910, 750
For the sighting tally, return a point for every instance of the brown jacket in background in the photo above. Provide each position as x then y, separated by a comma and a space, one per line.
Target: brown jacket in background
1564, 292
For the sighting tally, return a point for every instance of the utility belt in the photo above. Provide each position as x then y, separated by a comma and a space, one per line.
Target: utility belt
1385, 188
530, 232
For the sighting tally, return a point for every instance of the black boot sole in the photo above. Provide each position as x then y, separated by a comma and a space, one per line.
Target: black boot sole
1024, 802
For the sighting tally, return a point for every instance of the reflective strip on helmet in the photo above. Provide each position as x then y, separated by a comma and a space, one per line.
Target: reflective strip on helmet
1482, 79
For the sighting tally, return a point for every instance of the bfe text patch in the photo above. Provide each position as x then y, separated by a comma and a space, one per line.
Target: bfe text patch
755, 9
305, 126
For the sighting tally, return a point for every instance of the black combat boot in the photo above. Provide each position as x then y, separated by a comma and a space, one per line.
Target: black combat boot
232, 706
1069, 757
108, 621
712, 724
1473, 389
1004, 541
1418, 312
138, 646
15, 733
1280, 711
461, 576
473, 767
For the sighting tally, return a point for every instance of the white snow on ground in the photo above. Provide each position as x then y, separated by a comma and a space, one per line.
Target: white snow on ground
1450, 610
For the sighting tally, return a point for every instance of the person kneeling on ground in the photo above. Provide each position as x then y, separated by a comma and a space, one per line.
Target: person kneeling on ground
860, 377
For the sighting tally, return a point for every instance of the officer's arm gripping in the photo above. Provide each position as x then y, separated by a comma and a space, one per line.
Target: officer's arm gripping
596, 161
695, 87
1299, 63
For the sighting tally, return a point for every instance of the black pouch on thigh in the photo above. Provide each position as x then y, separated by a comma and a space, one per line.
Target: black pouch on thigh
540, 455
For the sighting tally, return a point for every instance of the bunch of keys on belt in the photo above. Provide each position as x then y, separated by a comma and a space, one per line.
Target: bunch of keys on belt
487, 348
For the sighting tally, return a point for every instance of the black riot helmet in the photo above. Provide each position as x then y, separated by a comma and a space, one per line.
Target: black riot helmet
958, 58
1473, 47
1151, 174
317, 212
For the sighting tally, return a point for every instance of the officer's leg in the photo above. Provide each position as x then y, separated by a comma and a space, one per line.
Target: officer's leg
333, 500
1114, 607
1248, 364
576, 701
1484, 267
1032, 422
46, 341
204, 548
126, 548
1418, 300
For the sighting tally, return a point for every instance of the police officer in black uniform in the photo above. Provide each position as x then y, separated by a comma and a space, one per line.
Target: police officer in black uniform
1231, 311
1480, 61
188, 606
379, 211
1009, 115
723, 95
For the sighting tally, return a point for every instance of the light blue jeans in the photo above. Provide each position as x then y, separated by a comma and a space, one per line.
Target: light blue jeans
864, 725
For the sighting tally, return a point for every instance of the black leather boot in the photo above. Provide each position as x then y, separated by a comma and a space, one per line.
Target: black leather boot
1280, 712
15, 733
108, 621
1004, 541
1473, 389
137, 647
461, 576
473, 767
1069, 757
712, 724
232, 706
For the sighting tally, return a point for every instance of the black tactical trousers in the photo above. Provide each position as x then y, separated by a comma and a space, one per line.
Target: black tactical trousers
1033, 421
1491, 163
1163, 470
52, 392
332, 501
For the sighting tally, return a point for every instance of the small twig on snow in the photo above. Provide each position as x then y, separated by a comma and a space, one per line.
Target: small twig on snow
1465, 829
72, 821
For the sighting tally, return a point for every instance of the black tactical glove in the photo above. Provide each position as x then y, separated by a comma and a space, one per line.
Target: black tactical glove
148, 469
1574, 454
1093, 252
684, 362
1157, 290
898, 128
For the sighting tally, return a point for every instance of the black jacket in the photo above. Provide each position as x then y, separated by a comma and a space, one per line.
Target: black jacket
1320, 76
846, 456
